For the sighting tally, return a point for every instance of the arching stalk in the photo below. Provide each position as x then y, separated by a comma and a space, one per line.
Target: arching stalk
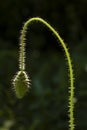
21, 81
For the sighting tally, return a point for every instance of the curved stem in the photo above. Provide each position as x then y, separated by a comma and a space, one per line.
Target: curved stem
22, 62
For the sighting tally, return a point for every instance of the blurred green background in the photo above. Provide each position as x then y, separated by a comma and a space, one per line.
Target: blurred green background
45, 107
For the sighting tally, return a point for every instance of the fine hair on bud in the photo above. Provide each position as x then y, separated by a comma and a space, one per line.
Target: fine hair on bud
21, 84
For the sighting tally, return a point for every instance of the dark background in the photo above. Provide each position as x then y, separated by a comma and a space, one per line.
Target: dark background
45, 107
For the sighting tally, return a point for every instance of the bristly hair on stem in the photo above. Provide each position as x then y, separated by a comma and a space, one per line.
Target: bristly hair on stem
21, 81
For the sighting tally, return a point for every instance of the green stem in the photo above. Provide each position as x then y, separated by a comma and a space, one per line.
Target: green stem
22, 62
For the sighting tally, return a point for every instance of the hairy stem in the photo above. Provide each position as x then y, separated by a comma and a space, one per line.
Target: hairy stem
22, 62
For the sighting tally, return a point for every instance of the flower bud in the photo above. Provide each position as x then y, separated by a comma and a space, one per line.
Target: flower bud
21, 84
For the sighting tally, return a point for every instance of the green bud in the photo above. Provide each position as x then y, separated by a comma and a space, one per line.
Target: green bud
21, 84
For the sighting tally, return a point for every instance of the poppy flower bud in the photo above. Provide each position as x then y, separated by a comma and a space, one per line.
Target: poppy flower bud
21, 84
